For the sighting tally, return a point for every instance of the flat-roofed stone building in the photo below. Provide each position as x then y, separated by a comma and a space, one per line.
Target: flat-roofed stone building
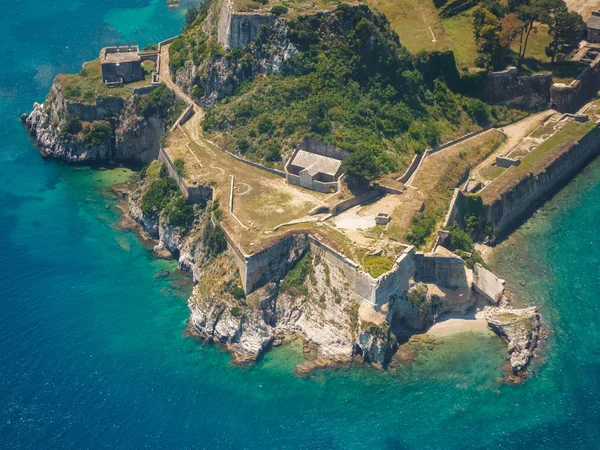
316, 166
593, 27
121, 65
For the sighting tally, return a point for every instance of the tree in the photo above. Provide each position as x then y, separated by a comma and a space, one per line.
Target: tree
510, 28
565, 34
363, 166
486, 27
529, 14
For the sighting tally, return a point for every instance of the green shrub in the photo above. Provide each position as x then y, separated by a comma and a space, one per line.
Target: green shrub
238, 292
178, 212
279, 10
179, 165
213, 240
158, 195
236, 311
294, 280
99, 133
421, 228
458, 240
70, 124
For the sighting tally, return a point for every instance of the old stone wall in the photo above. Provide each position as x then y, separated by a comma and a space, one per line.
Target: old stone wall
445, 271
194, 194
568, 98
238, 29
102, 109
313, 145
527, 90
507, 211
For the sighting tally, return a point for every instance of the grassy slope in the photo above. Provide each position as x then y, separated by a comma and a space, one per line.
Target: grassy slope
411, 19
459, 30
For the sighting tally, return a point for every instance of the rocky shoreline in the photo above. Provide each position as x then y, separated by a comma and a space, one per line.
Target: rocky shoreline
333, 335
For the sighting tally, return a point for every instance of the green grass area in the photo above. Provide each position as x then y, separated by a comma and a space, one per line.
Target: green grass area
492, 172
377, 265
538, 160
412, 20
87, 84
459, 30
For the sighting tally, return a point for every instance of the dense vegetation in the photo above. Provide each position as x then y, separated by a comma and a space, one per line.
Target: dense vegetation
293, 283
161, 103
499, 26
351, 84
163, 196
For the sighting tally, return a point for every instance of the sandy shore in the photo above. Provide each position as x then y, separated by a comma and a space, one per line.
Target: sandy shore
453, 325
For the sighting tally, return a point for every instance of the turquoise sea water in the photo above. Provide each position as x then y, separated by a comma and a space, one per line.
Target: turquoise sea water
92, 350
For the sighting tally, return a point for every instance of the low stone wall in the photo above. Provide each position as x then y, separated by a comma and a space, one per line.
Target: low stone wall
411, 168
459, 140
527, 90
452, 210
507, 211
503, 161
344, 205
194, 194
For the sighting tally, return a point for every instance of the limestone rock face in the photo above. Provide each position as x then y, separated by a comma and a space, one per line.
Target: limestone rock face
135, 138
520, 328
221, 76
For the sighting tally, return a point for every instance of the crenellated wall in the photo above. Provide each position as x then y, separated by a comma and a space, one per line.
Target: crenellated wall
507, 211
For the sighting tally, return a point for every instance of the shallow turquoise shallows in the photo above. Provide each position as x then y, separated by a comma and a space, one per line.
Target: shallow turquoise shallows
92, 350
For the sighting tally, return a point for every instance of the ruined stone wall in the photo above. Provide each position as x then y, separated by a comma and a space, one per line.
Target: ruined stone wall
194, 194
528, 90
507, 211
568, 98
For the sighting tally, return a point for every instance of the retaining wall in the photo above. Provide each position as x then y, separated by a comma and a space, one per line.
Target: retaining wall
445, 271
194, 194
507, 211
238, 29
527, 90
570, 97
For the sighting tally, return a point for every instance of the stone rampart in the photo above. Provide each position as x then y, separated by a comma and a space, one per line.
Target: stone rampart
507, 211
236, 29
445, 271
570, 97
526, 90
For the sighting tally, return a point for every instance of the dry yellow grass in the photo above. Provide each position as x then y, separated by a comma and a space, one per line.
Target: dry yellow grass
415, 21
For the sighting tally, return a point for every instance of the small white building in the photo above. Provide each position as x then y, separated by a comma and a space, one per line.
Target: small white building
315, 165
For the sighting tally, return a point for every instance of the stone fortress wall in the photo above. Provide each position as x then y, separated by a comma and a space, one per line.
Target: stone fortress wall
507, 211
525, 90
236, 29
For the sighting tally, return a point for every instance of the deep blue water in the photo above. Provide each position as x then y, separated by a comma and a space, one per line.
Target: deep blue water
92, 350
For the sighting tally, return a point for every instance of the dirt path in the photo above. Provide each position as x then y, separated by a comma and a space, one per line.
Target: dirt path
583, 7
165, 77
515, 133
